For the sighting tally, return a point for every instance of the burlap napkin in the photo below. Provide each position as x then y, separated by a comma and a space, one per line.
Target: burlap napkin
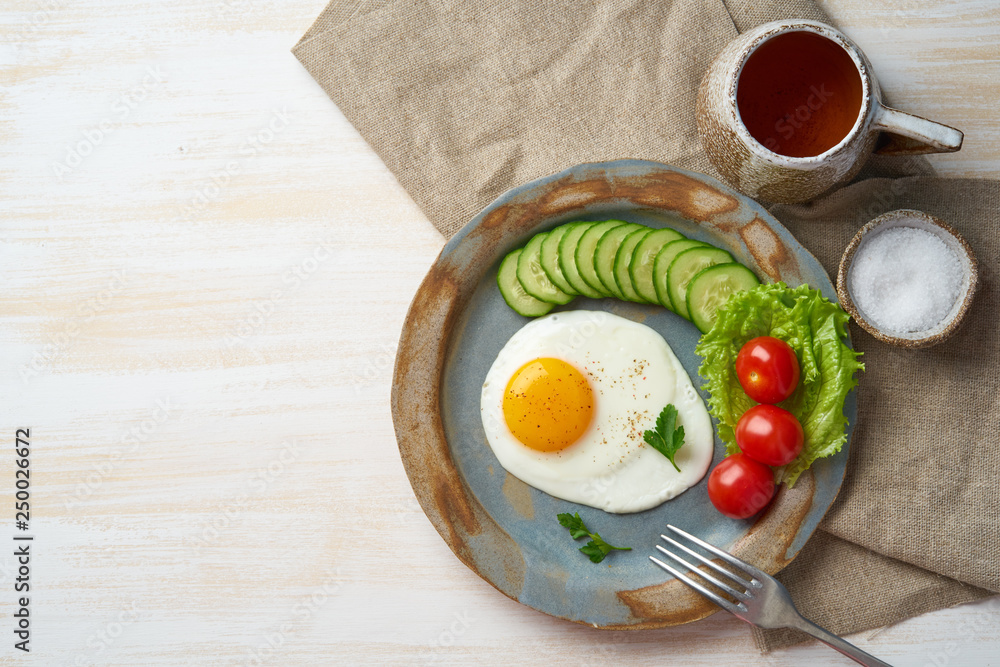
464, 100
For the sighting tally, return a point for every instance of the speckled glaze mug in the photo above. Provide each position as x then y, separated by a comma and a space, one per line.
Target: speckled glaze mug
764, 164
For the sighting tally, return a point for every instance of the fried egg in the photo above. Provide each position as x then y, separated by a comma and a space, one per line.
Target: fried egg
565, 404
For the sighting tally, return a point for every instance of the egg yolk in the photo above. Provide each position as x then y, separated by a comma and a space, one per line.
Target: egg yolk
548, 404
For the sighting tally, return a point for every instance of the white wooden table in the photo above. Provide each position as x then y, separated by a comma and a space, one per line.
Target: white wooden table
204, 271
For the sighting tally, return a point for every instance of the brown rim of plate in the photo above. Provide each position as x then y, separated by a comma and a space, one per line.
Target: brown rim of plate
848, 303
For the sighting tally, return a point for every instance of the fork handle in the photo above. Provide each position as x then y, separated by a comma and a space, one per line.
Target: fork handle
838, 644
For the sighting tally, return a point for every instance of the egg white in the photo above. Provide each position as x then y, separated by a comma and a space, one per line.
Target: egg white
633, 374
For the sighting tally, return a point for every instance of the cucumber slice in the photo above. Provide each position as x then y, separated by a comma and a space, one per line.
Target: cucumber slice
640, 270
513, 293
606, 253
567, 259
623, 260
662, 264
586, 249
710, 289
550, 258
686, 265
533, 278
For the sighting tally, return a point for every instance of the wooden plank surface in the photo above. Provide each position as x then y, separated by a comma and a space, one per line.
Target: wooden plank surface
205, 270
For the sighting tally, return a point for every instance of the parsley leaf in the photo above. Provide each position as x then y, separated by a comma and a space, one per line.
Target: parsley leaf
665, 438
577, 529
596, 549
593, 552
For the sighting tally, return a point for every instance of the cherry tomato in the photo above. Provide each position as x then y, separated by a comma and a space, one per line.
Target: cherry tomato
769, 434
767, 369
739, 487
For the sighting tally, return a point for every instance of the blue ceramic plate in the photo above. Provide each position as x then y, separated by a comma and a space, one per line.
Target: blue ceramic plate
503, 529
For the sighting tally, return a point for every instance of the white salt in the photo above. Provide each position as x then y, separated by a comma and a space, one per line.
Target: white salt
905, 280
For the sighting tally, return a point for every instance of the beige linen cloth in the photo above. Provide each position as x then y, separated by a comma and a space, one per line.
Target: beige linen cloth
463, 100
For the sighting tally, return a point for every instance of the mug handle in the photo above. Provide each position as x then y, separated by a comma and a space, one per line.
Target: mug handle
907, 134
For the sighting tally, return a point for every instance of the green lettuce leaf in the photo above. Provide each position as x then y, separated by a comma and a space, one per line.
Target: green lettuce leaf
817, 330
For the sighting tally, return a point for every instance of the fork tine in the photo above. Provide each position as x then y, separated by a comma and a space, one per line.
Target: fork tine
729, 558
740, 595
711, 563
717, 599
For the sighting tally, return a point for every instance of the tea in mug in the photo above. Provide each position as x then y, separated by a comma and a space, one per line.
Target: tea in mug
799, 94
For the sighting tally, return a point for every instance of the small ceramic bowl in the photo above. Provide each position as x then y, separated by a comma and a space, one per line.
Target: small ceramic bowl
919, 220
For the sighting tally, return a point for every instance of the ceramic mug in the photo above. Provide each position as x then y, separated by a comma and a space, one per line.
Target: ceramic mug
767, 165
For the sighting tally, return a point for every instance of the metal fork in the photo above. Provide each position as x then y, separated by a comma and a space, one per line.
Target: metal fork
762, 601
